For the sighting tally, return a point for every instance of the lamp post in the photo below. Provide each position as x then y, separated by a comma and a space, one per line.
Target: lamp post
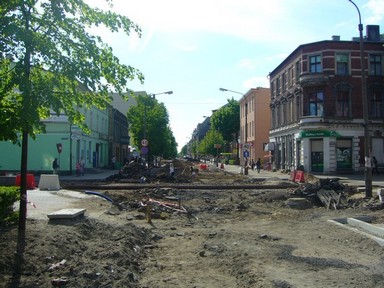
154, 95
246, 117
367, 139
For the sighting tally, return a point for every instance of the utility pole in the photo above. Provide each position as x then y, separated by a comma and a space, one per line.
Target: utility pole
367, 138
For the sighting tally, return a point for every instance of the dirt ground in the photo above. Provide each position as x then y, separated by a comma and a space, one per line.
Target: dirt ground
223, 238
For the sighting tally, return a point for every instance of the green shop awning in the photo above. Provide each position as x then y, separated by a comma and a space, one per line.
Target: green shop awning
318, 133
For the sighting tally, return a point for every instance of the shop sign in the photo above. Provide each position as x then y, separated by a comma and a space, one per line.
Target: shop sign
318, 133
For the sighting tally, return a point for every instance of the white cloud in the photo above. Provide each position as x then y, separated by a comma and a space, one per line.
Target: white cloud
377, 9
247, 63
248, 19
258, 81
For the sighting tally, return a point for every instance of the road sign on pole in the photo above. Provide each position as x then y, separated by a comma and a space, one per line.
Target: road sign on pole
144, 142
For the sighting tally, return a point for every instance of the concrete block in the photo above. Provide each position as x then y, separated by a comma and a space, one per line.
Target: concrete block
66, 213
380, 193
49, 182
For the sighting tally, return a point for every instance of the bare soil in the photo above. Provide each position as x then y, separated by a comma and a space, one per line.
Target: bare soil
227, 238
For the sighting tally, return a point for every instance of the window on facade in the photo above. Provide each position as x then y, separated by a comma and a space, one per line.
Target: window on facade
377, 103
284, 81
290, 76
342, 64
277, 86
315, 64
375, 65
316, 104
342, 103
298, 71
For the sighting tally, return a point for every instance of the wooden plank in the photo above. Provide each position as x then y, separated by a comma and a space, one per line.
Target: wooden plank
328, 198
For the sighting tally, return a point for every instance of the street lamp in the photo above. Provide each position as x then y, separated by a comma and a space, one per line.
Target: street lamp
227, 90
246, 110
246, 117
367, 140
154, 95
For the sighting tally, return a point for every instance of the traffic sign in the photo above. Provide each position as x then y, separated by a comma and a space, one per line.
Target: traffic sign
246, 154
144, 150
144, 142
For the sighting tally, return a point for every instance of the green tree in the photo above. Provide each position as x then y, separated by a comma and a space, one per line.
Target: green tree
149, 120
211, 139
227, 121
184, 151
51, 61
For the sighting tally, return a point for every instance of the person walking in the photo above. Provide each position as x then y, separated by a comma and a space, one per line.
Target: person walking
113, 162
55, 166
82, 166
171, 170
258, 165
375, 168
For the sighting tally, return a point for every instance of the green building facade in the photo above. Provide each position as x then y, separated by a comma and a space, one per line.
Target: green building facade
64, 141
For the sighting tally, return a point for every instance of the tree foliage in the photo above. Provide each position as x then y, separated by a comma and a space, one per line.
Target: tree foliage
226, 120
211, 139
47, 50
49, 60
149, 120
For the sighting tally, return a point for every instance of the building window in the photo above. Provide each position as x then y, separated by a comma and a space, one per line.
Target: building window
284, 81
316, 104
375, 65
298, 71
377, 103
342, 64
277, 86
343, 102
315, 64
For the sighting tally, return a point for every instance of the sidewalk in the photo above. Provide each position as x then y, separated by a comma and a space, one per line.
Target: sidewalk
350, 179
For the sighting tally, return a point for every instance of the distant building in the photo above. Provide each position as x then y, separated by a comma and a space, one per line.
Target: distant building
254, 123
64, 141
316, 105
198, 134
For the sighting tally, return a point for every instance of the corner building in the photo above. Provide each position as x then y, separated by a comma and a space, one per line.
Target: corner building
317, 107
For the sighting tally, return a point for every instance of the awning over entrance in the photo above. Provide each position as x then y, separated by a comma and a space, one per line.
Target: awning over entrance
269, 146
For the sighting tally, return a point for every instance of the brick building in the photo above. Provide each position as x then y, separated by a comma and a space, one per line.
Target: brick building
254, 123
316, 105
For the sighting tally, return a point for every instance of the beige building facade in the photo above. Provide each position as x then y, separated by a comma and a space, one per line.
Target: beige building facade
254, 124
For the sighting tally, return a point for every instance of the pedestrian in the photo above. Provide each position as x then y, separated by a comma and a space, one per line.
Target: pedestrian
82, 166
258, 165
113, 162
78, 169
55, 166
375, 167
171, 170
253, 164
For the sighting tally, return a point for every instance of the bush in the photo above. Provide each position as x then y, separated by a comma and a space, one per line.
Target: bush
8, 196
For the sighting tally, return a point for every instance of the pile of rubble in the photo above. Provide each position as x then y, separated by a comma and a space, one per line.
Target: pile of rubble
333, 194
136, 171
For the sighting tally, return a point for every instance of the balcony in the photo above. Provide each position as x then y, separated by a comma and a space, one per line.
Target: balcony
313, 79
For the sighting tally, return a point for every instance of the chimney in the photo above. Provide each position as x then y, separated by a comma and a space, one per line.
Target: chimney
373, 33
336, 38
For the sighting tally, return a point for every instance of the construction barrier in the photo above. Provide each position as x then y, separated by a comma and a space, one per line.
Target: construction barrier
299, 177
30, 181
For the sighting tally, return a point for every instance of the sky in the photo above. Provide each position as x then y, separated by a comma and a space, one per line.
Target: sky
193, 48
